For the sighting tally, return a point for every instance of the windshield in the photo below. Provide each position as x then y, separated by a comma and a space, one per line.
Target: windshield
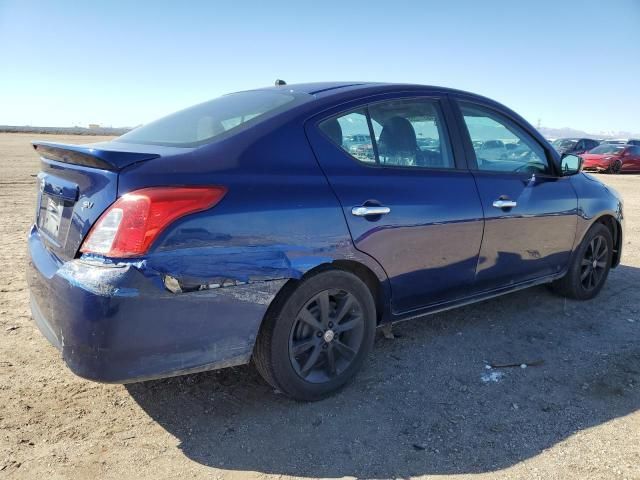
563, 143
201, 123
607, 149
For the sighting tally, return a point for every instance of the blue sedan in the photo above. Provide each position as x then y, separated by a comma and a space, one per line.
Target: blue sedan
283, 225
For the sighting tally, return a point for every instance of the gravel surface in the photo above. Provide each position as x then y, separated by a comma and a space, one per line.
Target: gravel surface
424, 405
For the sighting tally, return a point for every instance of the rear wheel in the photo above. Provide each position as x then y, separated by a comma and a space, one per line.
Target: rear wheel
317, 338
590, 265
615, 167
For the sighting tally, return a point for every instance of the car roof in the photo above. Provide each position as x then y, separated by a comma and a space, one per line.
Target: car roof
335, 89
315, 88
326, 94
577, 138
314, 98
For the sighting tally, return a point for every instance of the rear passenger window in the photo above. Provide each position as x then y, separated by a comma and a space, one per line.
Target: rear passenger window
351, 132
406, 133
501, 146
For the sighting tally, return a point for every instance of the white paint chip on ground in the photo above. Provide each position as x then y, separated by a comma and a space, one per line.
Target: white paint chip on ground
492, 377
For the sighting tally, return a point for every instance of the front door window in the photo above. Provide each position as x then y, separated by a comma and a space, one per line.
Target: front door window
501, 146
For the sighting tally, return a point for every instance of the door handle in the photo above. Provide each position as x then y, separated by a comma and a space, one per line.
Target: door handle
501, 203
365, 211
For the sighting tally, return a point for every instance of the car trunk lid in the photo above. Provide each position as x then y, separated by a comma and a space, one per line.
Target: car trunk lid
76, 185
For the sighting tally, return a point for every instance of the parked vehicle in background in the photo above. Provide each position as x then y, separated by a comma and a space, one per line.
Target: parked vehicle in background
492, 149
616, 141
574, 146
283, 225
633, 142
612, 158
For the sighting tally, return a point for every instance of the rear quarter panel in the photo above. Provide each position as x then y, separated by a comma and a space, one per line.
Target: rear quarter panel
278, 220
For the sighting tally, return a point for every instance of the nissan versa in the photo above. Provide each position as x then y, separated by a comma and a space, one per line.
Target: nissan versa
283, 225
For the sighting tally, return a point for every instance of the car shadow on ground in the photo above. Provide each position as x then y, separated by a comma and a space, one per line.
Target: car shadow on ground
426, 403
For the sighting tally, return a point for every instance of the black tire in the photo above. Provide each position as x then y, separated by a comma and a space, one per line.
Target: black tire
589, 266
615, 167
295, 328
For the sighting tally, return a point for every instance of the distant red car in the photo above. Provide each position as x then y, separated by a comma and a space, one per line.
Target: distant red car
611, 158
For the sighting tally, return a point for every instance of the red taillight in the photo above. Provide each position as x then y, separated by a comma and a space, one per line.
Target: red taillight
129, 226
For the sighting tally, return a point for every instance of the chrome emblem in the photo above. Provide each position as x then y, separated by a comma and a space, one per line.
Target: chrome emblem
329, 335
87, 204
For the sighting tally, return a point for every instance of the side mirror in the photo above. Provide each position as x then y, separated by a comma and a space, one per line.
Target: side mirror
570, 165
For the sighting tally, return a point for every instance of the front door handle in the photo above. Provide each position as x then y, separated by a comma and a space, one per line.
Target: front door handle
365, 211
502, 203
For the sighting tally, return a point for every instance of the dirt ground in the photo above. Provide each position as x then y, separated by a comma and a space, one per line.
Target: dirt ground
424, 405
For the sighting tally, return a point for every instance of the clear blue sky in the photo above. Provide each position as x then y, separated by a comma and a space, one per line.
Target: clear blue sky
568, 63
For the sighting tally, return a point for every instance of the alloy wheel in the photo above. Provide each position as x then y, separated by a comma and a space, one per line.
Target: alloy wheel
326, 335
616, 167
594, 263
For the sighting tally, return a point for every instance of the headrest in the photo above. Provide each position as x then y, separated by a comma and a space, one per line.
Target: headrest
397, 136
333, 130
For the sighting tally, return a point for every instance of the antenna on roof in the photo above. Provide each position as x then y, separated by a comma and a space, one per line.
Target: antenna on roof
280, 83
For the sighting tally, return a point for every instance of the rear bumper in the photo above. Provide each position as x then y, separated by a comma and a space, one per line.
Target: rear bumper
118, 323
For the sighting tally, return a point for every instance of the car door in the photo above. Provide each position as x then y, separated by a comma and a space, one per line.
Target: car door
530, 211
406, 196
635, 157
631, 159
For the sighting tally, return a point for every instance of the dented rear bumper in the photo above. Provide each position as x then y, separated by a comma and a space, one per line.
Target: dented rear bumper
118, 323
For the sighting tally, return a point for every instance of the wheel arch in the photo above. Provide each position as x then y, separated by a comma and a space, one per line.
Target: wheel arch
376, 285
615, 228
372, 282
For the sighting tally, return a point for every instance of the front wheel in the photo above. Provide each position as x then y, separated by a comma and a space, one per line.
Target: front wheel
589, 267
318, 336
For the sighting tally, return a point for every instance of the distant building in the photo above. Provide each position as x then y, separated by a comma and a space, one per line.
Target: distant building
94, 126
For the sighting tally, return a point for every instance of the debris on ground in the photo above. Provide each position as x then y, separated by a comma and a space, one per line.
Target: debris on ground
535, 363
490, 377
387, 331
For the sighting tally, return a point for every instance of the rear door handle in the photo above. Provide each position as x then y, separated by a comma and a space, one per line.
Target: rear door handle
369, 210
501, 203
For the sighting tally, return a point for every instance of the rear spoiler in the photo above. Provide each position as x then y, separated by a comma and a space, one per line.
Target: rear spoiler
96, 156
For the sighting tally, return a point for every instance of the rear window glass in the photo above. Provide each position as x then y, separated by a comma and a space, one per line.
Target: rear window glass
202, 123
563, 143
607, 149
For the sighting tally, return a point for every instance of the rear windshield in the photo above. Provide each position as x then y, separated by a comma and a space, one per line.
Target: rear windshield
607, 149
564, 143
201, 123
